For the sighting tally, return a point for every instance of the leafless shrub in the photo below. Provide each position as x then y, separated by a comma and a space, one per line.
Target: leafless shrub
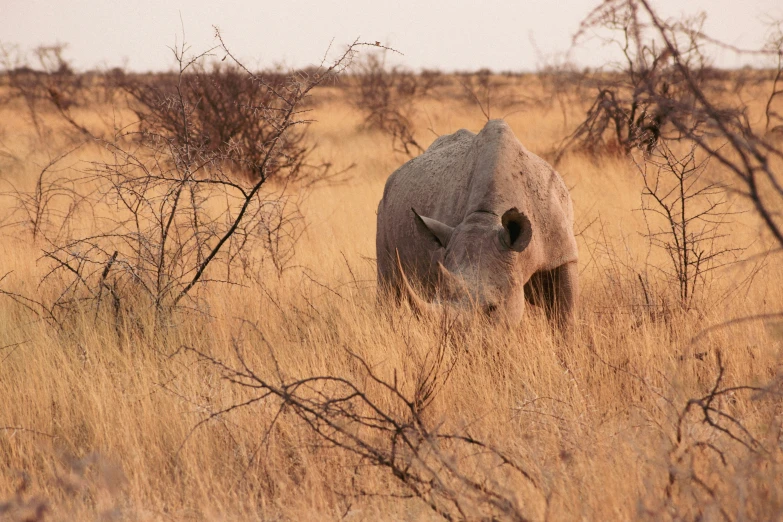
386, 97
53, 84
633, 107
684, 214
51, 203
374, 419
227, 113
722, 449
630, 290
719, 466
713, 449
487, 90
773, 118
563, 83
697, 115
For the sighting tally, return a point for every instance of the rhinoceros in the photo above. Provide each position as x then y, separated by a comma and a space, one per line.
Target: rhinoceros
477, 221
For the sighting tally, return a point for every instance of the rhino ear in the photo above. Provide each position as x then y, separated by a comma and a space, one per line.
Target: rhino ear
440, 231
517, 231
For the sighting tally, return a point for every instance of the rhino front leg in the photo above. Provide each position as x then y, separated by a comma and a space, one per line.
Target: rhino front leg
557, 291
566, 294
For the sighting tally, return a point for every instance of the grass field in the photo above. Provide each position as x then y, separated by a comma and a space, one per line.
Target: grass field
105, 423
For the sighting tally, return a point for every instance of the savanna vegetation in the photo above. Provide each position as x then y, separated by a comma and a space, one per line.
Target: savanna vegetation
190, 328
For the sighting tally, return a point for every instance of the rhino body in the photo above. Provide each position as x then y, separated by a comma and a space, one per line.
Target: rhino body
477, 220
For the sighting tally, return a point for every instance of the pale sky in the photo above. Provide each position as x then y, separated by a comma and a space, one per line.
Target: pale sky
454, 35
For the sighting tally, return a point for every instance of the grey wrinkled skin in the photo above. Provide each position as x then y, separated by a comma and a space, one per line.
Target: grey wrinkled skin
480, 221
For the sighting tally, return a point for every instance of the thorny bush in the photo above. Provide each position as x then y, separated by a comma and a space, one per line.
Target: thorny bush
686, 215
228, 115
386, 97
51, 83
633, 106
167, 215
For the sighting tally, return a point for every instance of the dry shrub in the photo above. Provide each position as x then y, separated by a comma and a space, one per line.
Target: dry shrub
50, 84
48, 209
489, 91
564, 84
773, 119
634, 106
386, 97
226, 114
719, 129
686, 216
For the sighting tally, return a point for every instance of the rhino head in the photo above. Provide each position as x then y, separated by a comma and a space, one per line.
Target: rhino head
485, 264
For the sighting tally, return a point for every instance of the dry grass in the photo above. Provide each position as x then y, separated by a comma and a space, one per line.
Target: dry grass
97, 426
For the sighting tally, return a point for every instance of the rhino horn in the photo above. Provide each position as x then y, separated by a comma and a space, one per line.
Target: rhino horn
451, 285
441, 231
420, 306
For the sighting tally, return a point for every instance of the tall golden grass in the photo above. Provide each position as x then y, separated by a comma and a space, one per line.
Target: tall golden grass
96, 425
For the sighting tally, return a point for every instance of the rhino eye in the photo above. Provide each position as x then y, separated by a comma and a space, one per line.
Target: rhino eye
490, 309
